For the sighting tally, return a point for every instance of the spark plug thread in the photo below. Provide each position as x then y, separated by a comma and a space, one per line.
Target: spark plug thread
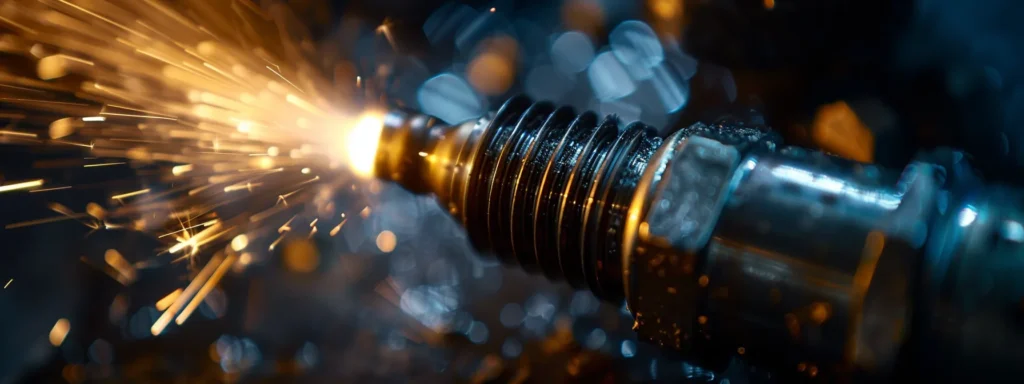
540, 186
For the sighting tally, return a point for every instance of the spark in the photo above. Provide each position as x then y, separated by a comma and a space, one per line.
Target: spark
103, 164
276, 242
19, 134
165, 318
239, 242
197, 112
179, 170
59, 332
45, 221
385, 30
21, 185
8, 283
49, 189
126, 272
166, 301
205, 290
337, 229
26, 29
130, 194
206, 224
285, 79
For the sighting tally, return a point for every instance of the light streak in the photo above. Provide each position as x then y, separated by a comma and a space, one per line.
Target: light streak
49, 189
165, 318
103, 164
130, 194
204, 119
205, 290
166, 301
21, 185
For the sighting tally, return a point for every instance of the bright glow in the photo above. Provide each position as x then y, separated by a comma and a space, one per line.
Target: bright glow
94, 118
1013, 231
21, 185
386, 241
967, 216
180, 169
239, 242
244, 127
361, 144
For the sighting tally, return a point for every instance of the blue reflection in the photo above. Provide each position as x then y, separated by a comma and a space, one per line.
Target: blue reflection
1013, 231
449, 98
628, 348
637, 46
572, 52
430, 305
609, 79
511, 348
967, 216
671, 88
596, 339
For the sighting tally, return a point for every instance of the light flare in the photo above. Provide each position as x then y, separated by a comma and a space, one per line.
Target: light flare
361, 143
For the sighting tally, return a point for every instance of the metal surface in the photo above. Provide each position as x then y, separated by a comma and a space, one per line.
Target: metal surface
795, 263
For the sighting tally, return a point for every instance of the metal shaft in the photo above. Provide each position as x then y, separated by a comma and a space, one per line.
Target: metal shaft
726, 245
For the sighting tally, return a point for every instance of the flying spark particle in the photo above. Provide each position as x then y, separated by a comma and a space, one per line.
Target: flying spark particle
8, 283
49, 189
130, 194
59, 332
18, 134
179, 170
103, 164
21, 185
493, 9
305, 171
239, 242
94, 118
336, 229
210, 284
165, 319
126, 273
166, 301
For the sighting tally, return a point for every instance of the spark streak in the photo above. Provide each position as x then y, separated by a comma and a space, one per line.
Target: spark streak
21, 185
193, 287
204, 117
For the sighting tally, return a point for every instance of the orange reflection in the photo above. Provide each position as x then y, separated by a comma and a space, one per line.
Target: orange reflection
837, 129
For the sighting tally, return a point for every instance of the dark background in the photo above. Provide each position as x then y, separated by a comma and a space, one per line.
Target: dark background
947, 71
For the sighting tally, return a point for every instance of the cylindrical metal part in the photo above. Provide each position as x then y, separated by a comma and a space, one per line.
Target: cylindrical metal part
726, 245
539, 186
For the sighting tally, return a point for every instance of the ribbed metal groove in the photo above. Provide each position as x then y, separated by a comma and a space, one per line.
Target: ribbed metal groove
551, 191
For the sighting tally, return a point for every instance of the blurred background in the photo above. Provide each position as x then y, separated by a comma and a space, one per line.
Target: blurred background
398, 295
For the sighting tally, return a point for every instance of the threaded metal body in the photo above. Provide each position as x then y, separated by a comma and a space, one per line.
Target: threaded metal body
540, 186
555, 191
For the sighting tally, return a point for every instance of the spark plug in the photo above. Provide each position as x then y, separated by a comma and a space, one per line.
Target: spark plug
726, 245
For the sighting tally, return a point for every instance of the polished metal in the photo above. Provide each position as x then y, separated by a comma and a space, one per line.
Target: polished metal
728, 246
